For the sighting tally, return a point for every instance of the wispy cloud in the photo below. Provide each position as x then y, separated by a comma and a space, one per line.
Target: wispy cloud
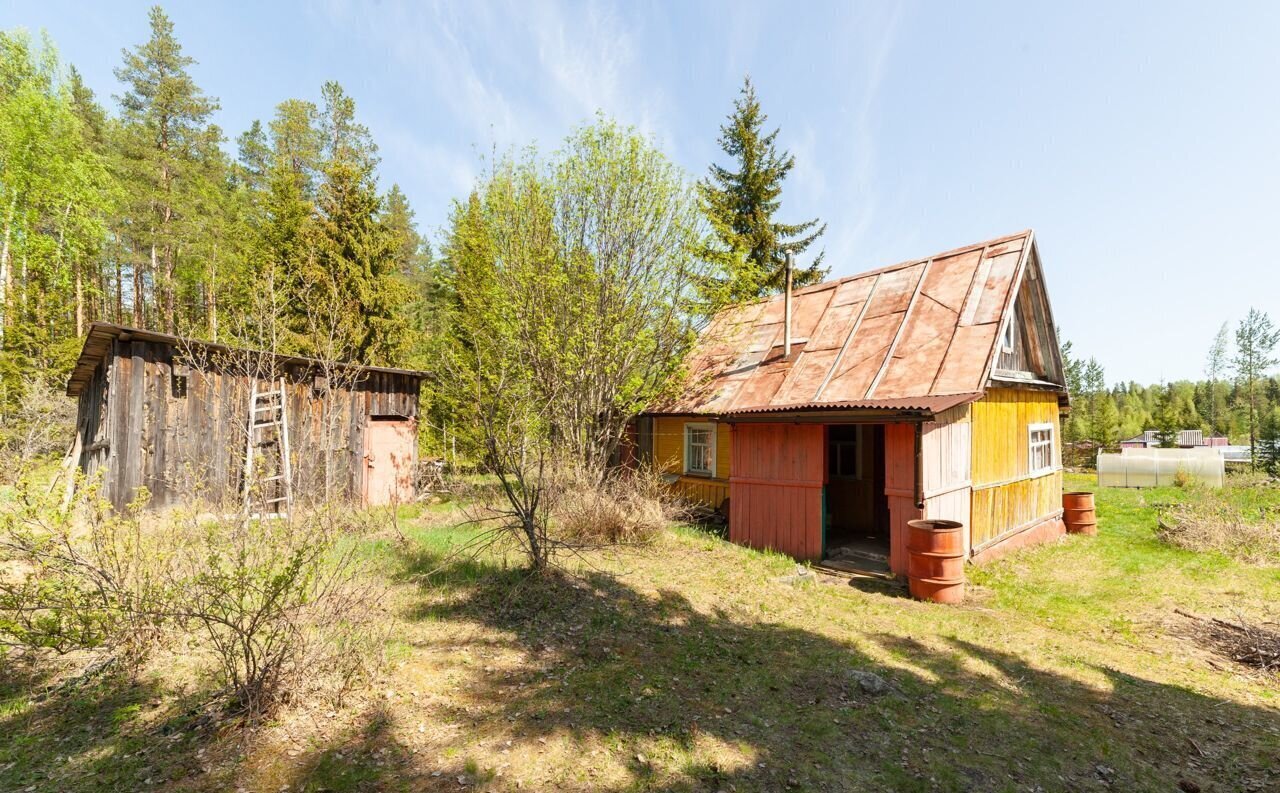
851, 244
477, 77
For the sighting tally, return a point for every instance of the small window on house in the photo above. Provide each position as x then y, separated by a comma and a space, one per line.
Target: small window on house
1006, 339
700, 449
845, 460
1040, 448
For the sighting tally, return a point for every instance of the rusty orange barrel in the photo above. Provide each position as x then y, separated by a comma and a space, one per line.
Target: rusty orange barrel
1078, 513
935, 560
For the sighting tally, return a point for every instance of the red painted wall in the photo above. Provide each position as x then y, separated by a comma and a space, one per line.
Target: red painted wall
775, 487
900, 487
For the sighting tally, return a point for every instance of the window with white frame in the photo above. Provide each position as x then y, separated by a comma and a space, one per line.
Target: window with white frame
1040, 448
1006, 338
700, 449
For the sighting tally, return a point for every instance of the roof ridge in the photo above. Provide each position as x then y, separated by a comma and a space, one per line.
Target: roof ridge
818, 287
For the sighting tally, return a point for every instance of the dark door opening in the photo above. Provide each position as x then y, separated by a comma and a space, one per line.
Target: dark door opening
857, 514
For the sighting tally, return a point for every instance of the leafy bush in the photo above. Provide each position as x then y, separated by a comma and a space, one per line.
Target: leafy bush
69, 583
37, 428
275, 604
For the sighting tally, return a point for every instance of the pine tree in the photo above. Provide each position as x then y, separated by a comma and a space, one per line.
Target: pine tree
1256, 340
166, 127
741, 204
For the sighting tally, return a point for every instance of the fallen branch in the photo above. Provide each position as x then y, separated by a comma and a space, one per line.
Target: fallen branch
1249, 645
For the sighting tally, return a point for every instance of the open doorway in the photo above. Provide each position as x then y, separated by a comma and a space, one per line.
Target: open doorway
857, 511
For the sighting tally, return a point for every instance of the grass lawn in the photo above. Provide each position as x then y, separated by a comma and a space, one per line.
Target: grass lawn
694, 664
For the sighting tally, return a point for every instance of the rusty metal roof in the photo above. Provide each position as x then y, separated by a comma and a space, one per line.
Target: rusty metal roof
933, 404
97, 344
895, 338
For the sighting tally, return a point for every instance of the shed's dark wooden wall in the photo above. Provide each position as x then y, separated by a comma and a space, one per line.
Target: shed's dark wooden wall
186, 442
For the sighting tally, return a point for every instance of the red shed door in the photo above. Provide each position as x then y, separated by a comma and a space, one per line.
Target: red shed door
775, 487
389, 454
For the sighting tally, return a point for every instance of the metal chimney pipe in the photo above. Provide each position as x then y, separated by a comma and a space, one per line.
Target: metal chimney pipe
786, 312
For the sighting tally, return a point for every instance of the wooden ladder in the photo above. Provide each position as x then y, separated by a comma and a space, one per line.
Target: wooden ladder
267, 411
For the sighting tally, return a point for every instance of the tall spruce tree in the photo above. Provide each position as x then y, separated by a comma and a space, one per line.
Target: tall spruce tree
343, 279
741, 202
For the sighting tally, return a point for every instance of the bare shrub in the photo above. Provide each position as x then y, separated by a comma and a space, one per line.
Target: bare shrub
70, 583
1213, 522
628, 507
279, 606
39, 428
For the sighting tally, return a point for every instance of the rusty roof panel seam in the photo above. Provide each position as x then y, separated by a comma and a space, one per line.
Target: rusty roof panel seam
906, 319
862, 312
959, 315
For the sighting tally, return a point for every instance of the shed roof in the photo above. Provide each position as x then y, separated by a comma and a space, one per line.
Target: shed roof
919, 335
97, 344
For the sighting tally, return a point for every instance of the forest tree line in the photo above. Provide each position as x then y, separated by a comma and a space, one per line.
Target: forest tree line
139, 210
137, 214
1239, 397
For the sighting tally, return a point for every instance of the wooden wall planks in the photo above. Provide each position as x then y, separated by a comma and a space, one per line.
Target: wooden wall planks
668, 455
1005, 496
186, 440
778, 472
899, 486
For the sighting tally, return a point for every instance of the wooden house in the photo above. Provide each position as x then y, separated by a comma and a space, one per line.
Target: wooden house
173, 415
929, 389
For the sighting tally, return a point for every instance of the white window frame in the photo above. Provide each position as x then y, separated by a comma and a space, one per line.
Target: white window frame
1033, 444
710, 428
1006, 337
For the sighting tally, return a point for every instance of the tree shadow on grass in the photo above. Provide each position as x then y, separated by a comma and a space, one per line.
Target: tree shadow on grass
110, 732
693, 699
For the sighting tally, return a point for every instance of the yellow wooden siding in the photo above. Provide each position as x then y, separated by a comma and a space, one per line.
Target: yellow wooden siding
668, 454
1000, 422
1003, 508
1005, 496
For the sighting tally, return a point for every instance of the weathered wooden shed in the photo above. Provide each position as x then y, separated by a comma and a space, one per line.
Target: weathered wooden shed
928, 389
173, 415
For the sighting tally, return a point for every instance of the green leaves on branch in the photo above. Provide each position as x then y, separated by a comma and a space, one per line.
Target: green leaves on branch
576, 280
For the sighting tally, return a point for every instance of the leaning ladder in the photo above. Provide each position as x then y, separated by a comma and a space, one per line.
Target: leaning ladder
267, 410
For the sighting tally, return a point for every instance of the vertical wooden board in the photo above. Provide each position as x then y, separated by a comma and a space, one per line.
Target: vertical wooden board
131, 454
158, 420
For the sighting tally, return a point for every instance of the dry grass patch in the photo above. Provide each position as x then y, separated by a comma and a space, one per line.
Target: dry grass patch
629, 507
1241, 522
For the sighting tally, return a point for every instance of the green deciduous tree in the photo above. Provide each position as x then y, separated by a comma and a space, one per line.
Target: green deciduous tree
741, 202
55, 195
576, 298
1214, 368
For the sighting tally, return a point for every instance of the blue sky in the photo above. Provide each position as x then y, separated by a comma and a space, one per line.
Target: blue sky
1140, 140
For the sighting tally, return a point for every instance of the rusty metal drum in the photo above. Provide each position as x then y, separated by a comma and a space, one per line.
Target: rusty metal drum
1078, 513
935, 560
